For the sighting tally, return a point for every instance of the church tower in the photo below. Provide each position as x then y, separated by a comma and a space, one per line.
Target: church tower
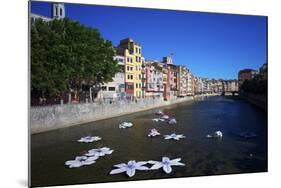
58, 11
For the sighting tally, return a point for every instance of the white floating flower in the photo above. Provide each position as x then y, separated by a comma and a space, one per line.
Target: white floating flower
174, 136
80, 161
99, 152
165, 117
217, 134
88, 139
124, 125
129, 168
158, 119
166, 164
153, 132
172, 121
159, 112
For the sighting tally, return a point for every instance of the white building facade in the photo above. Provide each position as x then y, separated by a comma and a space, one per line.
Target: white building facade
115, 89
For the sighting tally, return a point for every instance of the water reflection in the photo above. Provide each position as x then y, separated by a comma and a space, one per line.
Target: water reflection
202, 156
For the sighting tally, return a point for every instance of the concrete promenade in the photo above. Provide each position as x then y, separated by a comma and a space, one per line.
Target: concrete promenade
46, 118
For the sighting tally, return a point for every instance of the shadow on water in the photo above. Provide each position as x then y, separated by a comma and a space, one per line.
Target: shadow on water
202, 156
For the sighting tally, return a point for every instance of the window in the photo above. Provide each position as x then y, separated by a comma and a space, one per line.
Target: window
131, 60
120, 60
140, 85
136, 50
103, 88
131, 76
131, 68
136, 59
128, 77
128, 59
128, 68
136, 85
130, 86
111, 88
60, 11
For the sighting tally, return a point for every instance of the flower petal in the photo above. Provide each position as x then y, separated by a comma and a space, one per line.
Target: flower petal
100, 154
130, 172
79, 158
88, 162
91, 153
152, 162
104, 149
69, 162
177, 164
75, 164
167, 168
118, 170
140, 163
156, 165
165, 159
176, 160
108, 152
142, 168
120, 165
92, 158
132, 162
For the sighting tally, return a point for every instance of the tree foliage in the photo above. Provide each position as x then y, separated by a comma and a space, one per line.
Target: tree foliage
257, 85
65, 54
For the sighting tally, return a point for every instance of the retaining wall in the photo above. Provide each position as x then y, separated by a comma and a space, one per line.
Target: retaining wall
59, 116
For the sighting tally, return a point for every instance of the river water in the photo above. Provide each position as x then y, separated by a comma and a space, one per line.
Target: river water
202, 156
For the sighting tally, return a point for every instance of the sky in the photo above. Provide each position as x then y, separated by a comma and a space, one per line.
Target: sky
211, 45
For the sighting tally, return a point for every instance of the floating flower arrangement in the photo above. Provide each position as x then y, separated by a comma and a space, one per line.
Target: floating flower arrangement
88, 139
153, 133
130, 168
174, 136
166, 164
125, 125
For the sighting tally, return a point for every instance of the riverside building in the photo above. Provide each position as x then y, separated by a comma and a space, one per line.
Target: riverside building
115, 89
134, 60
154, 86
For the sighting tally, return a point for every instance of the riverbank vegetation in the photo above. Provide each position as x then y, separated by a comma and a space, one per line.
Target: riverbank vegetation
257, 85
255, 90
65, 55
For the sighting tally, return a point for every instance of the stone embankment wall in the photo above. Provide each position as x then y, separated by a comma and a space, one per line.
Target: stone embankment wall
257, 100
59, 116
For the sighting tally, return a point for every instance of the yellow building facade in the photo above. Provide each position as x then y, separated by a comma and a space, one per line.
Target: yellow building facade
133, 67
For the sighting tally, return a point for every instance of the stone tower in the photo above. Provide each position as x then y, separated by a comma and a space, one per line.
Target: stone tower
58, 11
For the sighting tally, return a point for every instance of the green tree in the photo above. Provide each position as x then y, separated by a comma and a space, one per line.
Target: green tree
257, 85
66, 54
